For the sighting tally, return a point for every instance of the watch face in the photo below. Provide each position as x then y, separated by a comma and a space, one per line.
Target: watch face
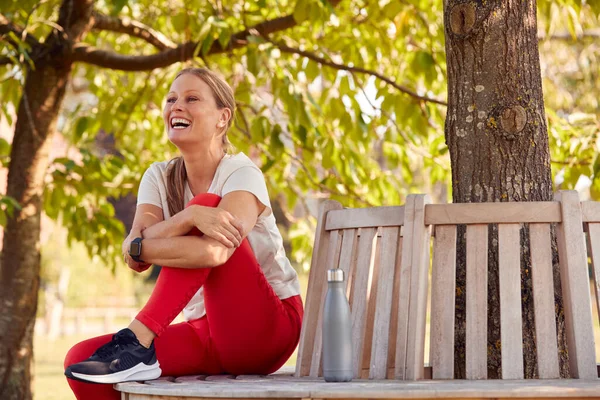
135, 249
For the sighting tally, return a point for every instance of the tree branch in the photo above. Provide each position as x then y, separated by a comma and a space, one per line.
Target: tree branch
183, 52
311, 56
74, 16
133, 28
6, 26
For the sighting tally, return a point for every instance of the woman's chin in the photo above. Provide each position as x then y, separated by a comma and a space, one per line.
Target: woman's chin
179, 135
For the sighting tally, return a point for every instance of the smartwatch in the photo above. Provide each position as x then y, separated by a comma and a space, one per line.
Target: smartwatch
135, 249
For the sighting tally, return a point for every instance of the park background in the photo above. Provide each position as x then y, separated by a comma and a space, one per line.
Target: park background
349, 103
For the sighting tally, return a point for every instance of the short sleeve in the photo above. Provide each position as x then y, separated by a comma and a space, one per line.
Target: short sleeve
148, 192
249, 179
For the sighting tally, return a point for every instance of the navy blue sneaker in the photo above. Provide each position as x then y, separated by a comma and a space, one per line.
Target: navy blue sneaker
120, 360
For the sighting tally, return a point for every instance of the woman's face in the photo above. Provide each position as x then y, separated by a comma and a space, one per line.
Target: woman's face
191, 114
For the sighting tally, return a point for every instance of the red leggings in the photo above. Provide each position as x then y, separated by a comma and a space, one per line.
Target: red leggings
247, 329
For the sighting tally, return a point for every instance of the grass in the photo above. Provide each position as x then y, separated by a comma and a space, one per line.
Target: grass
49, 382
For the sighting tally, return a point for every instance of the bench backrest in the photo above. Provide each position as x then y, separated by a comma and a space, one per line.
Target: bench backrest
565, 214
380, 250
385, 254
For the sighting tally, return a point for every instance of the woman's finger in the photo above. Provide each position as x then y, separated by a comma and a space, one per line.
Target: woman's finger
224, 240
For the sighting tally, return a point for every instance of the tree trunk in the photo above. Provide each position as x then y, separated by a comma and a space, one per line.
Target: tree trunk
498, 141
39, 107
19, 279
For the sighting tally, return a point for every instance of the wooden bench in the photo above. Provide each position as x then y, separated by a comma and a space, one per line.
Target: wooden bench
385, 253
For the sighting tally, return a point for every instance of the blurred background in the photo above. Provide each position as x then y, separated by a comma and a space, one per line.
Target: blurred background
347, 105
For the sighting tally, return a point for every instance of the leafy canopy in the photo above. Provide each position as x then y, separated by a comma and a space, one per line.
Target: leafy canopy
348, 104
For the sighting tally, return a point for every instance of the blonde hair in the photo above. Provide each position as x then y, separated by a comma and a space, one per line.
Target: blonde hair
177, 174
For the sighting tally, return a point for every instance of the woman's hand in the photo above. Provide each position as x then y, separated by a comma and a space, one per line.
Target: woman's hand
131, 263
218, 224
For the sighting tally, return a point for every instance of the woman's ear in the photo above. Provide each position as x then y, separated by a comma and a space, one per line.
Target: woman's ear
225, 117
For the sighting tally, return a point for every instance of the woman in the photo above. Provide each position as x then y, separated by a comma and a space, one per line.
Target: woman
227, 267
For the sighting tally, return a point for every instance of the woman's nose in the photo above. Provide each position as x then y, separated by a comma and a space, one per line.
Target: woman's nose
177, 105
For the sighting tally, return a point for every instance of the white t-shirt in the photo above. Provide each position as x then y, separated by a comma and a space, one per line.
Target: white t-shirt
235, 172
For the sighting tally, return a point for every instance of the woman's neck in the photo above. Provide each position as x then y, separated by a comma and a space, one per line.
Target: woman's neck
201, 168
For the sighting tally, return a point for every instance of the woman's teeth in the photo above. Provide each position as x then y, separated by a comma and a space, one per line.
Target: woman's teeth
179, 123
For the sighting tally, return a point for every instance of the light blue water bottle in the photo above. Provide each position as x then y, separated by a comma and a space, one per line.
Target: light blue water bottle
337, 330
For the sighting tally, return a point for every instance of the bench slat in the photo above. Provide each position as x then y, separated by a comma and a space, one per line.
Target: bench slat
383, 310
575, 288
443, 293
476, 308
543, 301
590, 211
404, 289
371, 304
418, 291
511, 329
365, 217
359, 288
488, 213
315, 291
391, 362
348, 256
594, 234
333, 256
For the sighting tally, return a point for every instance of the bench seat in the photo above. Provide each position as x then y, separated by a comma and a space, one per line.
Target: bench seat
285, 386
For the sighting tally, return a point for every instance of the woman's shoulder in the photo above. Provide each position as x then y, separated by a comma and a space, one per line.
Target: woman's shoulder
159, 167
239, 160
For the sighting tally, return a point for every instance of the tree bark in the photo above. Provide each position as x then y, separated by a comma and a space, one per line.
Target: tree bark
498, 141
37, 115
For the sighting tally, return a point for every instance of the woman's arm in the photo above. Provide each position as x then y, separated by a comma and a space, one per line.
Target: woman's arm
146, 215
204, 252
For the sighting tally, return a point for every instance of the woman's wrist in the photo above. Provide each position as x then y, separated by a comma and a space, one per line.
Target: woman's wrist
191, 216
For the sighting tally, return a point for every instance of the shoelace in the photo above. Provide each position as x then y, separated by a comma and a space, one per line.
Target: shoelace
112, 347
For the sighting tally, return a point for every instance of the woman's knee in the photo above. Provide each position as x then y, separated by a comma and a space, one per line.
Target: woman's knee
205, 199
83, 350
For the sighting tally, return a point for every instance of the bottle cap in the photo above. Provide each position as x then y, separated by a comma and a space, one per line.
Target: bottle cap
335, 275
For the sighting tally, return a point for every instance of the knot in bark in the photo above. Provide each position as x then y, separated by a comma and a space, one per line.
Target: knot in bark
462, 18
513, 120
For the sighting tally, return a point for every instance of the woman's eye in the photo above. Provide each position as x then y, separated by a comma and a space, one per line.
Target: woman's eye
192, 98
171, 100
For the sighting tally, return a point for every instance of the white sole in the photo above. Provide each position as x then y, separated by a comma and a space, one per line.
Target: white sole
140, 372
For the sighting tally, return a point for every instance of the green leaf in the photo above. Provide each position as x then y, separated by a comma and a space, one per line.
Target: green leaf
301, 11
80, 128
392, 9
180, 21
117, 6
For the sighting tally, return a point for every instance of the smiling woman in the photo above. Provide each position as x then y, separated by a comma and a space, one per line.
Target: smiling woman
223, 257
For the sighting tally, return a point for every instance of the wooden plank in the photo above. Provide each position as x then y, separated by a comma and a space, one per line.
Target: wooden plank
333, 256
419, 285
310, 389
443, 294
379, 349
476, 332
575, 288
348, 254
371, 305
487, 213
365, 217
543, 301
590, 211
391, 363
404, 289
364, 262
511, 328
594, 236
316, 289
